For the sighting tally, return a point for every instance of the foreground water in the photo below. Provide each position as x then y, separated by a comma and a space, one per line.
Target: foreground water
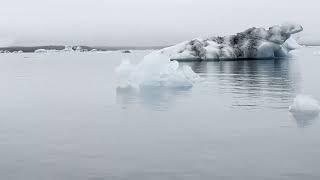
62, 117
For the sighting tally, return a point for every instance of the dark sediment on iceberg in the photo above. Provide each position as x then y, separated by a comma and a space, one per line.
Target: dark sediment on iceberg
253, 43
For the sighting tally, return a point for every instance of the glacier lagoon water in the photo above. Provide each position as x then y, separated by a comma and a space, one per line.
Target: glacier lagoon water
63, 117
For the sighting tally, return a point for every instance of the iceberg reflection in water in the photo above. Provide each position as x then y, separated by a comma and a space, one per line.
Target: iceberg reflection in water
248, 84
154, 97
304, 120
252, 84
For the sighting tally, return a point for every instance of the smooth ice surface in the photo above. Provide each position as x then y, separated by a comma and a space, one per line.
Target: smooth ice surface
155, 70
305, 104
62, 116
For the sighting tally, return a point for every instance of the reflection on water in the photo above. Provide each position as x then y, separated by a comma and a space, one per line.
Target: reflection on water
242, 84
305, 120
253, 84
156, 98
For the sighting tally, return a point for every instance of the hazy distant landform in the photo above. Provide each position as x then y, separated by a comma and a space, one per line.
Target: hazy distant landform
32, 49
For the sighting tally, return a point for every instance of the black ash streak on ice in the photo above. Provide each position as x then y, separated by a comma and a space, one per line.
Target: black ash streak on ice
254, 43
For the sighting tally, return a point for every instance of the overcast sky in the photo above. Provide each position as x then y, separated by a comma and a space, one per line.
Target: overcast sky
143, 22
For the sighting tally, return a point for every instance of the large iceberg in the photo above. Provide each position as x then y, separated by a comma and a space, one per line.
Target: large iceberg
254, 43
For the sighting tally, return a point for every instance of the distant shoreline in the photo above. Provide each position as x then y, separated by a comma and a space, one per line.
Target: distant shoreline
31, 49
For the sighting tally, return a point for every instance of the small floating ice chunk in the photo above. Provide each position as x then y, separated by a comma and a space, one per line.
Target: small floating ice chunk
155, 69
68, 49
316, 53
304, 104
78, 49
40, 51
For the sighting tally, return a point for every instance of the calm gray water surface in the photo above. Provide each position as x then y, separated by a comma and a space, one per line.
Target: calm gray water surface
62, 117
